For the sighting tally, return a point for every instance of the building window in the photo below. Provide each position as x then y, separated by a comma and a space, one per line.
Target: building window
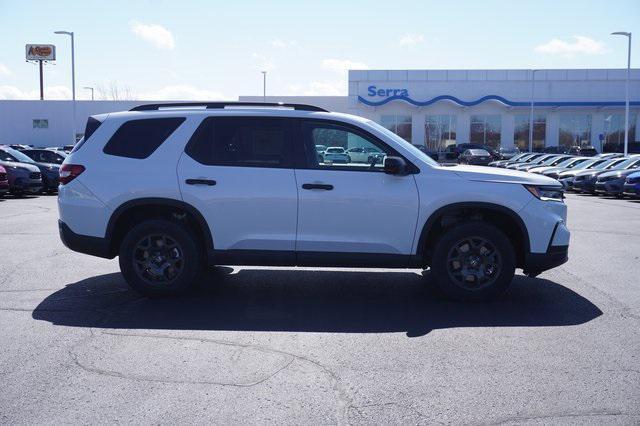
439, 132
485, 130
575, 130
398, 124
40, 123
521, 132
614, 133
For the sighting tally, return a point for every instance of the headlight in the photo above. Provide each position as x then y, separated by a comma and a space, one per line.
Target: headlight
546, 193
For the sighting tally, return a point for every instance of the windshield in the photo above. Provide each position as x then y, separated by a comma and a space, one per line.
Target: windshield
10, 154
568, 161
406, 145
588, 164
540, 160
573, 162
524, 158
628, 162
550, 161
607, 164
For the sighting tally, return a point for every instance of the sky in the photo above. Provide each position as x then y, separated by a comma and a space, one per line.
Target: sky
208, 50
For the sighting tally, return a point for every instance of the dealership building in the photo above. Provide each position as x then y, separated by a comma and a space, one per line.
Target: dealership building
436, 108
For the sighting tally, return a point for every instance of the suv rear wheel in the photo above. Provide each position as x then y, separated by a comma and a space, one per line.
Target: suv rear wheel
160, 258
473, 261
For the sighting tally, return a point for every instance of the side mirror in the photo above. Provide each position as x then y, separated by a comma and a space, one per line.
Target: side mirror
395, 166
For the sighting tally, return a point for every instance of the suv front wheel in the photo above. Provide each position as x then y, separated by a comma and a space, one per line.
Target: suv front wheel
159, 258
473, 261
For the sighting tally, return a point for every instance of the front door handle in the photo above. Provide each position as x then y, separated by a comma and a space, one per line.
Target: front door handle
207, 182
324, 186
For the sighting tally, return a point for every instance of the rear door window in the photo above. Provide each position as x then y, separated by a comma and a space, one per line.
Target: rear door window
242, 142
140, 138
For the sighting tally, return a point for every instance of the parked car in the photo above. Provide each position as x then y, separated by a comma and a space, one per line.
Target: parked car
336, 154
553, 170
631, 186
610, 155
19, 147
508, 153
583, 151
235, 202
363, 154
478, 157
50, 172
612, 183
22, 177
528, 158
534, 161
45, 155
513, 159
549, 162
566, 175
4, 181
458, 149
586, 180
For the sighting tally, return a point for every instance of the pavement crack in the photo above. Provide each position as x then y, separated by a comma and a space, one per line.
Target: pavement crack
342, 399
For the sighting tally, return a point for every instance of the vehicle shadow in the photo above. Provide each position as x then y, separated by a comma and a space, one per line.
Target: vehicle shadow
311, 301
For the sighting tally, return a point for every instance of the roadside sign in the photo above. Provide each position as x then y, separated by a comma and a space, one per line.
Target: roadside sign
40, 52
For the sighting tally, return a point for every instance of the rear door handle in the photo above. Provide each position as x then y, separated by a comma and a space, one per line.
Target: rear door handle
207, 182
324, 186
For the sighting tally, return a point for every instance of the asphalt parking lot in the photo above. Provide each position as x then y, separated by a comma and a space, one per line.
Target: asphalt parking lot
277, 345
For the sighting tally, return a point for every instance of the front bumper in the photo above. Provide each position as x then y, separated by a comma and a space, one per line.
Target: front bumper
535, 263
631, 189
611, 187
588, 186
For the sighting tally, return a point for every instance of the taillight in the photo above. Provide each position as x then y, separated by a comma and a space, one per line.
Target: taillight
69, 172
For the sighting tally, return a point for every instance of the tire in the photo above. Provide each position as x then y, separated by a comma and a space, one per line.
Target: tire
457, 271
179, 260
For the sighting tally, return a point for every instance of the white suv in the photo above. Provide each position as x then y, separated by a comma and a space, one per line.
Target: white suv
171, 188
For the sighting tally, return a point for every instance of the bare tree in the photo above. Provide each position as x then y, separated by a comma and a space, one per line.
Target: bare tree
114, 92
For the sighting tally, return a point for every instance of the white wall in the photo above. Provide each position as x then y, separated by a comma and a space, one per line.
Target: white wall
16, 120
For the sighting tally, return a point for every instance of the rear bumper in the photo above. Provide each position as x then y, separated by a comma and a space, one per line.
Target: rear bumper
94, 246
26, 185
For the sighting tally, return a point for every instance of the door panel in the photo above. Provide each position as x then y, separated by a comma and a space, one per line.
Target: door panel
366, 212
248, 208
238, 172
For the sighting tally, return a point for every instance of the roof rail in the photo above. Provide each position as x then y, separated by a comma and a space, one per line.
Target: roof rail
222, 105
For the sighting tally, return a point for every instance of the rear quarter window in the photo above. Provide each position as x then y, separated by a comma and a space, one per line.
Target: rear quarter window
140, 138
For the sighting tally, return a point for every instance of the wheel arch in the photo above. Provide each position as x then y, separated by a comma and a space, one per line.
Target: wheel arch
134, 211
447, 216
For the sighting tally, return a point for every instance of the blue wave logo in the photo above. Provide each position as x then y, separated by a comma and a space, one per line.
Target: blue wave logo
490, 98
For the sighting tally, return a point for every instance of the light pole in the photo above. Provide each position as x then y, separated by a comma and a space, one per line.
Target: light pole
533, 81
264, 86
73, 79
89, 88
626, 100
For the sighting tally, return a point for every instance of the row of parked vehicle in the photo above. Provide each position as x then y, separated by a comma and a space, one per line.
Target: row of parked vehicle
607, 174
28, 170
